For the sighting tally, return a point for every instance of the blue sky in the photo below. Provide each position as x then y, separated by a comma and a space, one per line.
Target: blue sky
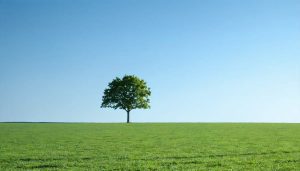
205, 61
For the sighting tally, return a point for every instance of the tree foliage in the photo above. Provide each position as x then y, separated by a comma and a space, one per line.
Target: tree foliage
127, 93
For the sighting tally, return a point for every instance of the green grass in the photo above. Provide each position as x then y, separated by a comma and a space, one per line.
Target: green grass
186, 146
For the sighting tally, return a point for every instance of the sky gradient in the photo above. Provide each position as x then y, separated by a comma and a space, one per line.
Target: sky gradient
205, 61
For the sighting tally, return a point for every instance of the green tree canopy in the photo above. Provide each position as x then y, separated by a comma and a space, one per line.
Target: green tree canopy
127, 93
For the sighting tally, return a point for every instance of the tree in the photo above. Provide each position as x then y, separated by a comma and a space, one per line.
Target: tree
127, 93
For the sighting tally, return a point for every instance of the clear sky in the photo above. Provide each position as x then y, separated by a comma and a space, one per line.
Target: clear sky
205, 61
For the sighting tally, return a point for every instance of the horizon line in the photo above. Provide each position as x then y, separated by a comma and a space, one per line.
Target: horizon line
149, 122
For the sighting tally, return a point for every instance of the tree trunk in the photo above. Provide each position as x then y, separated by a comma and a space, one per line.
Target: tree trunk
128, 116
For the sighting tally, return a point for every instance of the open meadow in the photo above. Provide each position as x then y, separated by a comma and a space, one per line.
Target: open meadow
147, 146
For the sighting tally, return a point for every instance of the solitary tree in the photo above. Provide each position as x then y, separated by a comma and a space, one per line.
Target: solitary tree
127, 93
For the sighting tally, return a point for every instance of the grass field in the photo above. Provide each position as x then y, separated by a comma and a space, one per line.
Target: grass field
182, 146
